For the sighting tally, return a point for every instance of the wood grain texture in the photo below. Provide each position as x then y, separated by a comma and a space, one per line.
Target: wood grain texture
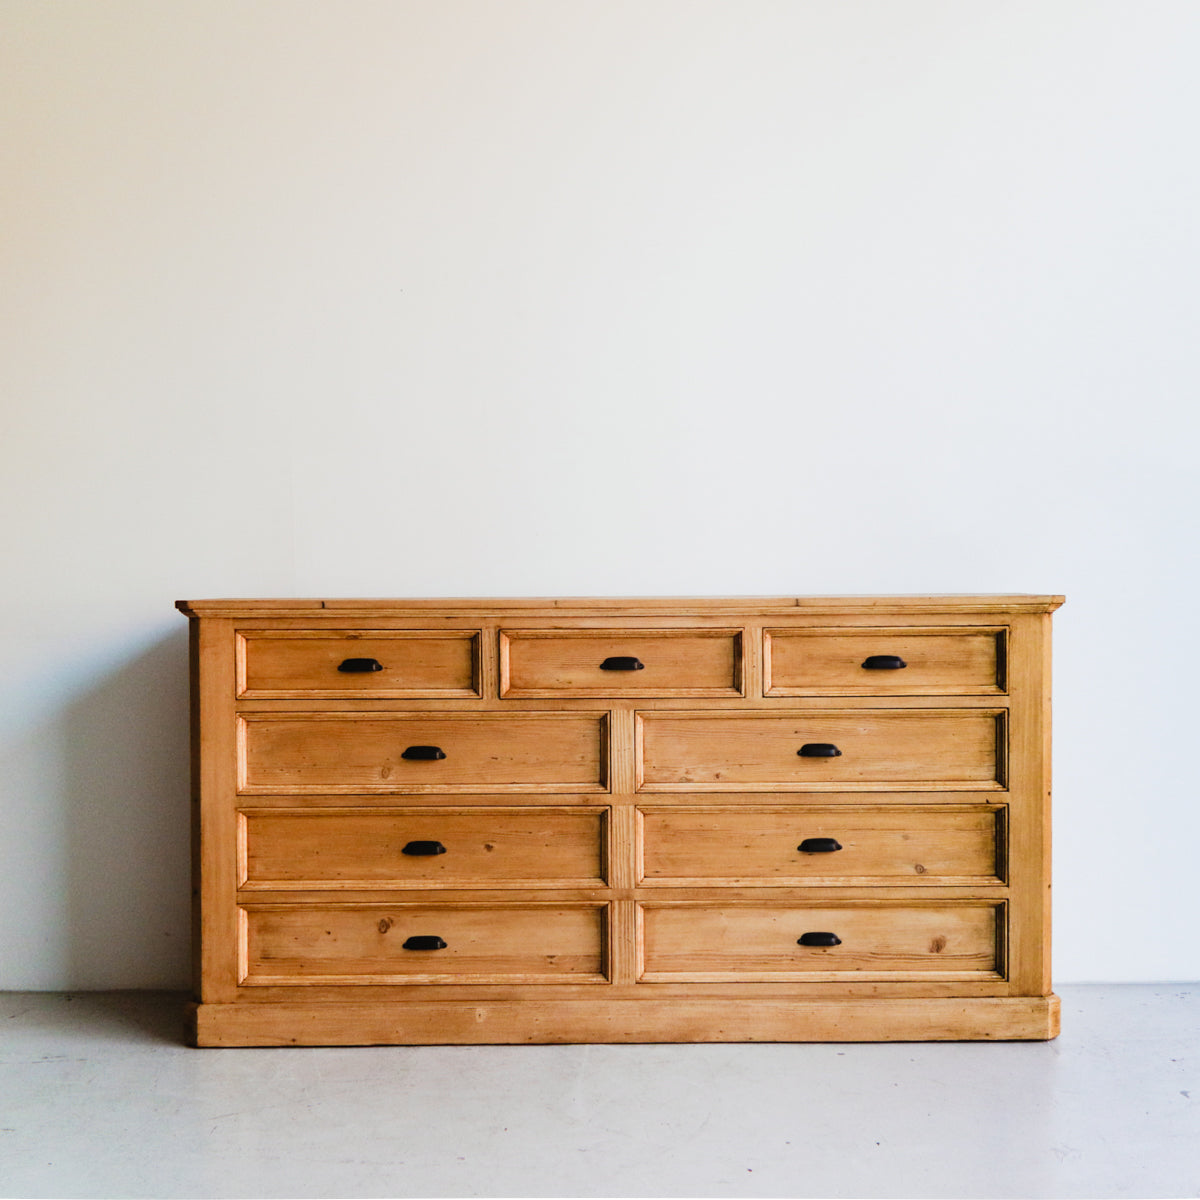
697, 1019
754, 846
365, 943
274, 664
937, 662
879, 748
541, 605
356, 751
622, 857
883, 940
349, 849
693, 662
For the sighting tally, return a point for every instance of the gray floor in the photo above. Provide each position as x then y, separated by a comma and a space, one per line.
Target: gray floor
98, 1097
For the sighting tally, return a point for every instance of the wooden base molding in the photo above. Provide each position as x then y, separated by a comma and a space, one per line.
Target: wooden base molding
457, 1022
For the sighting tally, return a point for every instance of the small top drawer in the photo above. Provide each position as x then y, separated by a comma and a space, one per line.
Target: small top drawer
884, 662
627, 662
333, 663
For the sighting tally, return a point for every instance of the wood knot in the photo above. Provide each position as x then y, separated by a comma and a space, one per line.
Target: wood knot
385, 924
938, 944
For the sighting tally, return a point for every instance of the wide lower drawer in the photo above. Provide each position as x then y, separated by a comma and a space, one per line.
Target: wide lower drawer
336, 663
379, 753
884, 662
614, 662
876, 940
805, 846
423, 847
412, 943
846, 750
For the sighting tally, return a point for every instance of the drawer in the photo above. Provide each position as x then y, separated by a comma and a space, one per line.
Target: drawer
605, 662
800, 846
423, 847
884, 662
365, 943
337, 663
896, 940
880, 750
351, 752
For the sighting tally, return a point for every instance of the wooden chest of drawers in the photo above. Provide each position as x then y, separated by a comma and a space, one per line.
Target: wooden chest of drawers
449, 821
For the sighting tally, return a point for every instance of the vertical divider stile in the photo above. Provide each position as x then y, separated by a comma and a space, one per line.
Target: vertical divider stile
622, 873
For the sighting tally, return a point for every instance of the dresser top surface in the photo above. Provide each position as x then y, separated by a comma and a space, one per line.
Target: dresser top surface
602, 604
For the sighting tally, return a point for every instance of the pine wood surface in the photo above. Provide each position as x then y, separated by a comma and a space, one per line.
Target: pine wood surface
622, 846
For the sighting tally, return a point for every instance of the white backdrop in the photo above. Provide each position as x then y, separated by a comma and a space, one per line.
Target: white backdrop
618, 297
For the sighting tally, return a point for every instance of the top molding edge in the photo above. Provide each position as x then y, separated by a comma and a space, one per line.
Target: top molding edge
631, 605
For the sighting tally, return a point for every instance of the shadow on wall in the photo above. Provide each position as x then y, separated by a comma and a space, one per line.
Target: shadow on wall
126, 799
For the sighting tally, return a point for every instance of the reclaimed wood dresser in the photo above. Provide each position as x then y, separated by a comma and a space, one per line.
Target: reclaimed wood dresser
450, 821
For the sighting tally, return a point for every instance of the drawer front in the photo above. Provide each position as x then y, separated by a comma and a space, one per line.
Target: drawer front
886, 940
884, 662
339, 663
348, 943
802, 846
604, 662
365, 752
878, 750
423, 847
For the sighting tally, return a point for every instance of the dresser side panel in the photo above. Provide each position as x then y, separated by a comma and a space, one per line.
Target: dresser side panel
215, 830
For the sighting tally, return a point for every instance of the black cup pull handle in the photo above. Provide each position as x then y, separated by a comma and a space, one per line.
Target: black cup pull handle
360, 666
424, 941
818, 939
819, 846
423, 753
622, 662
819, 750
884, 662
423, 849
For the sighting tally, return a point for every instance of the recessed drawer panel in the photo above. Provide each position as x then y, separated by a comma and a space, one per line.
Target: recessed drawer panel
337, 663
612, 662
377, 753
804, 846
883, 662
402, 943
848, 750
423, 847
885, 940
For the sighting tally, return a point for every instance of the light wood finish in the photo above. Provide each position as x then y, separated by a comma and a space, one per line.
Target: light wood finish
699, 1019
348, 849
343, 943
363, 752
937, 662
695, 847
643, 870
879, 940
278, 665
675, 662
957, 749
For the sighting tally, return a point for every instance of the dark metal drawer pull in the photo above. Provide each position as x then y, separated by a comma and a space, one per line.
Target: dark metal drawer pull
423, 753
622, 662
819, 750
419, 849
884, 662
819, 846
424, 941
818, 939
360, 666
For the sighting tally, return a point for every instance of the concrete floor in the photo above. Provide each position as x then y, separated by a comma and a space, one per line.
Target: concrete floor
99, 1097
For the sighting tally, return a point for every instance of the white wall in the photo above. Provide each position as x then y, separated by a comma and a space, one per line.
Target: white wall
588, 296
